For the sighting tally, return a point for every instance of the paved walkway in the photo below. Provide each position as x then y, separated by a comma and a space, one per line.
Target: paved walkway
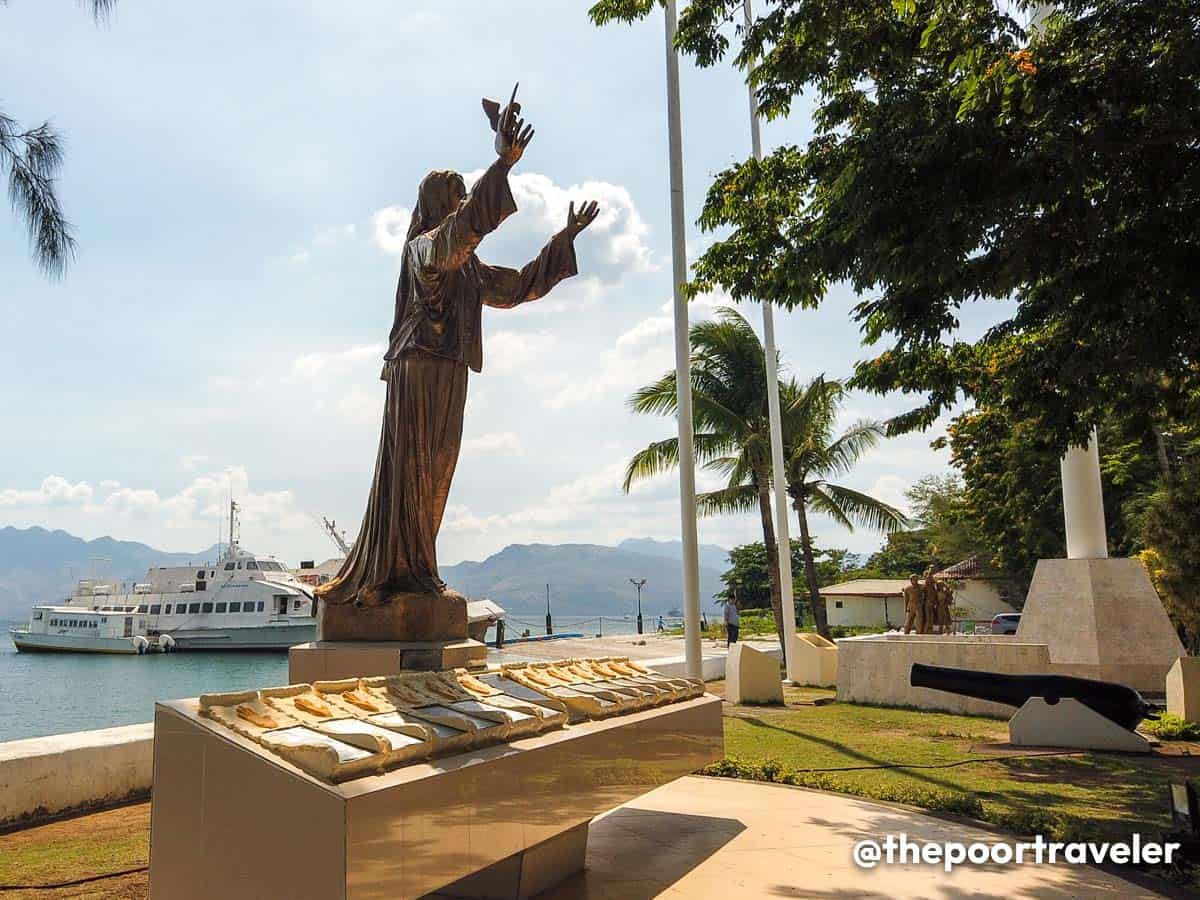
723, 839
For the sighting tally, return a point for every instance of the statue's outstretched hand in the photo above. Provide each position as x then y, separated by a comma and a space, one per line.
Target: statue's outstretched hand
512, 137
577, 221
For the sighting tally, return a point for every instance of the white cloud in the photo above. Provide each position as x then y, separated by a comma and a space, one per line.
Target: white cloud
191, 461
53, 491
326, 362
500, 443
890, 489
513, 351
646, 330
109, 485
390, 227
194, 508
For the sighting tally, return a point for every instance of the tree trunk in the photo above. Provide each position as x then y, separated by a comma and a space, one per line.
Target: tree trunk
768, 529
820, 614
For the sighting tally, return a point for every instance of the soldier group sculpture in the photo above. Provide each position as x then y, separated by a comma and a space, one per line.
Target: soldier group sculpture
927, 606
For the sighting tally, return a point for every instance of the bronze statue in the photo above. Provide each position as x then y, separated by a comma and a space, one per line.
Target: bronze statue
929, 602
945, 600
389, 588
914, 602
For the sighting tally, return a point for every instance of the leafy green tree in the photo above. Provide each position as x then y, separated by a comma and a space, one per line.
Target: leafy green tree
813, 454
31, 157
747, 579
1169, 527
729, 400
958, 160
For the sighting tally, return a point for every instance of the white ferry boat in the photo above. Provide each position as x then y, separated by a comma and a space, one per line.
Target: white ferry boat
241, 602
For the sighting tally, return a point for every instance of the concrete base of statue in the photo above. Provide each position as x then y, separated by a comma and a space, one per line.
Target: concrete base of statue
231, 820
1101, 618
1072, 725
334, 660
404, 617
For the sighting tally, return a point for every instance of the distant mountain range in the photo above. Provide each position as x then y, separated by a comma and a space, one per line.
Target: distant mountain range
586, 579
40, 566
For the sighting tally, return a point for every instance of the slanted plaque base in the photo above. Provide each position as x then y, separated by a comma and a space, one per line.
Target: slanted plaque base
333, 660
525, 874
231, 820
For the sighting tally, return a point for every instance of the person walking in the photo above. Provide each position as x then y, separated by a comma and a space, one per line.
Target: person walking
731, 621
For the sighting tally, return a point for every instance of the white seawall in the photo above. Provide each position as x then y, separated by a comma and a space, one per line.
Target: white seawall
46, 776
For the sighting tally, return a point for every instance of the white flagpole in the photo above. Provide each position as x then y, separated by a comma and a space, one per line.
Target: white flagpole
778, 473
683, 367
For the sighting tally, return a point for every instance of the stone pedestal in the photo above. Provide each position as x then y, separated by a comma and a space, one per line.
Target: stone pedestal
813, 660
752, 676
1183, 688
405, 617
232, 821
333, 660
1101, 618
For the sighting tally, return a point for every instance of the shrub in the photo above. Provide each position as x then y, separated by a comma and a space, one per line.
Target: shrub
1170, 727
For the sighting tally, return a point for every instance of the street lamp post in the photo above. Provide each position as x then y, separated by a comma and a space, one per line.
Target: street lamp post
637, 583
549, 622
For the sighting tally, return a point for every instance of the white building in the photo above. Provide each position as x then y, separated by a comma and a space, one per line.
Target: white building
879, 602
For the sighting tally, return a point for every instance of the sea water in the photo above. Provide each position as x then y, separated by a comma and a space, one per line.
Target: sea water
56, 693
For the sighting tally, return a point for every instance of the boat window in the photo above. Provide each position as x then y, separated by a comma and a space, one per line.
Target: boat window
228, 567
220, 607
202, 585
295, 604
260, 606
37, 617
239, 565
155, 609
235, 606
142, 608
200, 574
251, 565
167, 610
104, 619
206, 608
193, 608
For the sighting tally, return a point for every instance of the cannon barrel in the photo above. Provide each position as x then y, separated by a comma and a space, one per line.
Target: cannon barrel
1117, 702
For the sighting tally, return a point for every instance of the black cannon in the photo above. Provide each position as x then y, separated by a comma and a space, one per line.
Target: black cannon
1116, 702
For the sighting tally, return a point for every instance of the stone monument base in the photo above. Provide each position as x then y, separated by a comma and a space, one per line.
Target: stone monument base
334, 660
1101, 618
404, 617
510, 820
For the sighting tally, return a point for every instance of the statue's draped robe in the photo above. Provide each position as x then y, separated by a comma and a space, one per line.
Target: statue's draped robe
435, 338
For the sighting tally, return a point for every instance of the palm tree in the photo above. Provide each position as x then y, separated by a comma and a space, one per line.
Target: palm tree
32, 157
729, 401
812, 455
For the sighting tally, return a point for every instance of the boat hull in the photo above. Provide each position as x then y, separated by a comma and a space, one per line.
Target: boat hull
262, 637
68, 643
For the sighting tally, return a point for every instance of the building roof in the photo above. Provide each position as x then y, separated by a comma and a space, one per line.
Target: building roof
971, 567
866, 587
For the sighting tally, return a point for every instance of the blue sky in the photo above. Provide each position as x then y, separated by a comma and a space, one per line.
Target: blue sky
238, 175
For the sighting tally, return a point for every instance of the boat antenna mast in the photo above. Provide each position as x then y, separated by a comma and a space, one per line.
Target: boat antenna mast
338, 537
233, 527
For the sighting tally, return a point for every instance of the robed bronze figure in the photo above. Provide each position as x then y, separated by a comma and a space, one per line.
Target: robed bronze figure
389, 588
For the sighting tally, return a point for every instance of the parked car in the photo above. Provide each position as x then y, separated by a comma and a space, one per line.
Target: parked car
1006, 623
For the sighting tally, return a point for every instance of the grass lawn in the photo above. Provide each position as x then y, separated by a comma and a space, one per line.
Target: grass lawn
952, 763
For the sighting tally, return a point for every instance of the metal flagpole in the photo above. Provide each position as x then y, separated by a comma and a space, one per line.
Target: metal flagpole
683, 373
778, 473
